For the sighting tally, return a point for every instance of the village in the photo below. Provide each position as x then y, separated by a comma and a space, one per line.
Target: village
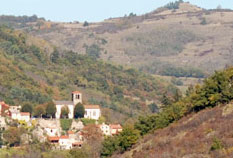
50, 130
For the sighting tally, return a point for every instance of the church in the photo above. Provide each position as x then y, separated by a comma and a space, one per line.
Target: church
91, 111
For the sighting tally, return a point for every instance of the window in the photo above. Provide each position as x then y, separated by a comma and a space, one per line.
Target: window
78, 96
94, 113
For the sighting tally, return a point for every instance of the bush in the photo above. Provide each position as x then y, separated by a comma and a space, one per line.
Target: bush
79, 111
216, 145
87, 121
66, 124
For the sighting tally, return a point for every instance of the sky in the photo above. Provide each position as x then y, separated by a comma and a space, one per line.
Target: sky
91, 10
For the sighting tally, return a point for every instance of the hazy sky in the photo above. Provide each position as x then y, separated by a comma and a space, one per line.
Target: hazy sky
91, 10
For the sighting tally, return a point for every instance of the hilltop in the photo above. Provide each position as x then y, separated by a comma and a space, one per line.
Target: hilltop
33, 71
176, 40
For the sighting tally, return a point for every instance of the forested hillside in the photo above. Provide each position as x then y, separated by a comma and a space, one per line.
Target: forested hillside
178, 123
33, 71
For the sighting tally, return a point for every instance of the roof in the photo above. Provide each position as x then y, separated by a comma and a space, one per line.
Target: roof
91, 106
115, 126
4, 104
70, 132
63, 102
25, 114
76, 92
53, 138
64, 137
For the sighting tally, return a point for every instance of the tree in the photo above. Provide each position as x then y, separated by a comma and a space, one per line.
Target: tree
50, 109
39, 110
12, 135
27, 108
153, 108
79, 111
54, 56
165, 99
85, 24
64, 112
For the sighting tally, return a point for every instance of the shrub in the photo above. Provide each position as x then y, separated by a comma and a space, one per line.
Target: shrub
216, 145
65, 124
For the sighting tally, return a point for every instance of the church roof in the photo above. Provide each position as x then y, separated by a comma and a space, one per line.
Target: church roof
63, 102
91, 106
76, 92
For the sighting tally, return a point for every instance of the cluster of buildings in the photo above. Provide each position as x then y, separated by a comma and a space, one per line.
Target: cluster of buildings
14, 112
110, 130
50, 129
91, 111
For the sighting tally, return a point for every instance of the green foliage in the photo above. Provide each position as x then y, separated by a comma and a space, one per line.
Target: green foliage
87, 121
176, 81
64, 112
173, 5
79, 111
54, 57
12, 135
126, 139
39, 111
27, 108
153, 108
40, 82
216, 145
50, 109
182, 72
66, 124
145, 124
93, 51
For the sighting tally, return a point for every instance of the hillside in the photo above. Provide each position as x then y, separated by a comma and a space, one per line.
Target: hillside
186, 41
35, 72
197, 125
207, 134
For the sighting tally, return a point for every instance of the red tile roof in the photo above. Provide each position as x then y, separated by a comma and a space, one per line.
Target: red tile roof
91, 106
115, 126
76, 92
70, 132
64, 137
53, 139
25, 114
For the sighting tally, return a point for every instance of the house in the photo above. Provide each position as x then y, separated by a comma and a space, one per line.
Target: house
21, 116
115, 129
53, 140
65, 142
92, 112
76, 98
105, 129
4, 109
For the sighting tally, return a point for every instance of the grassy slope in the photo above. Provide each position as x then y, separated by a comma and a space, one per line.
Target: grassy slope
153, 40
28, 75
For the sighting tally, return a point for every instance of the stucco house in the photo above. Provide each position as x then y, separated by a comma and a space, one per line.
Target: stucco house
4, 109
105, 129
92, 112
115, 128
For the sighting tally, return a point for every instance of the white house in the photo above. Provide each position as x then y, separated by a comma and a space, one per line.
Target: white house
92, 112
105, 129
65, 142
115, 128
76, 98
21, 116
